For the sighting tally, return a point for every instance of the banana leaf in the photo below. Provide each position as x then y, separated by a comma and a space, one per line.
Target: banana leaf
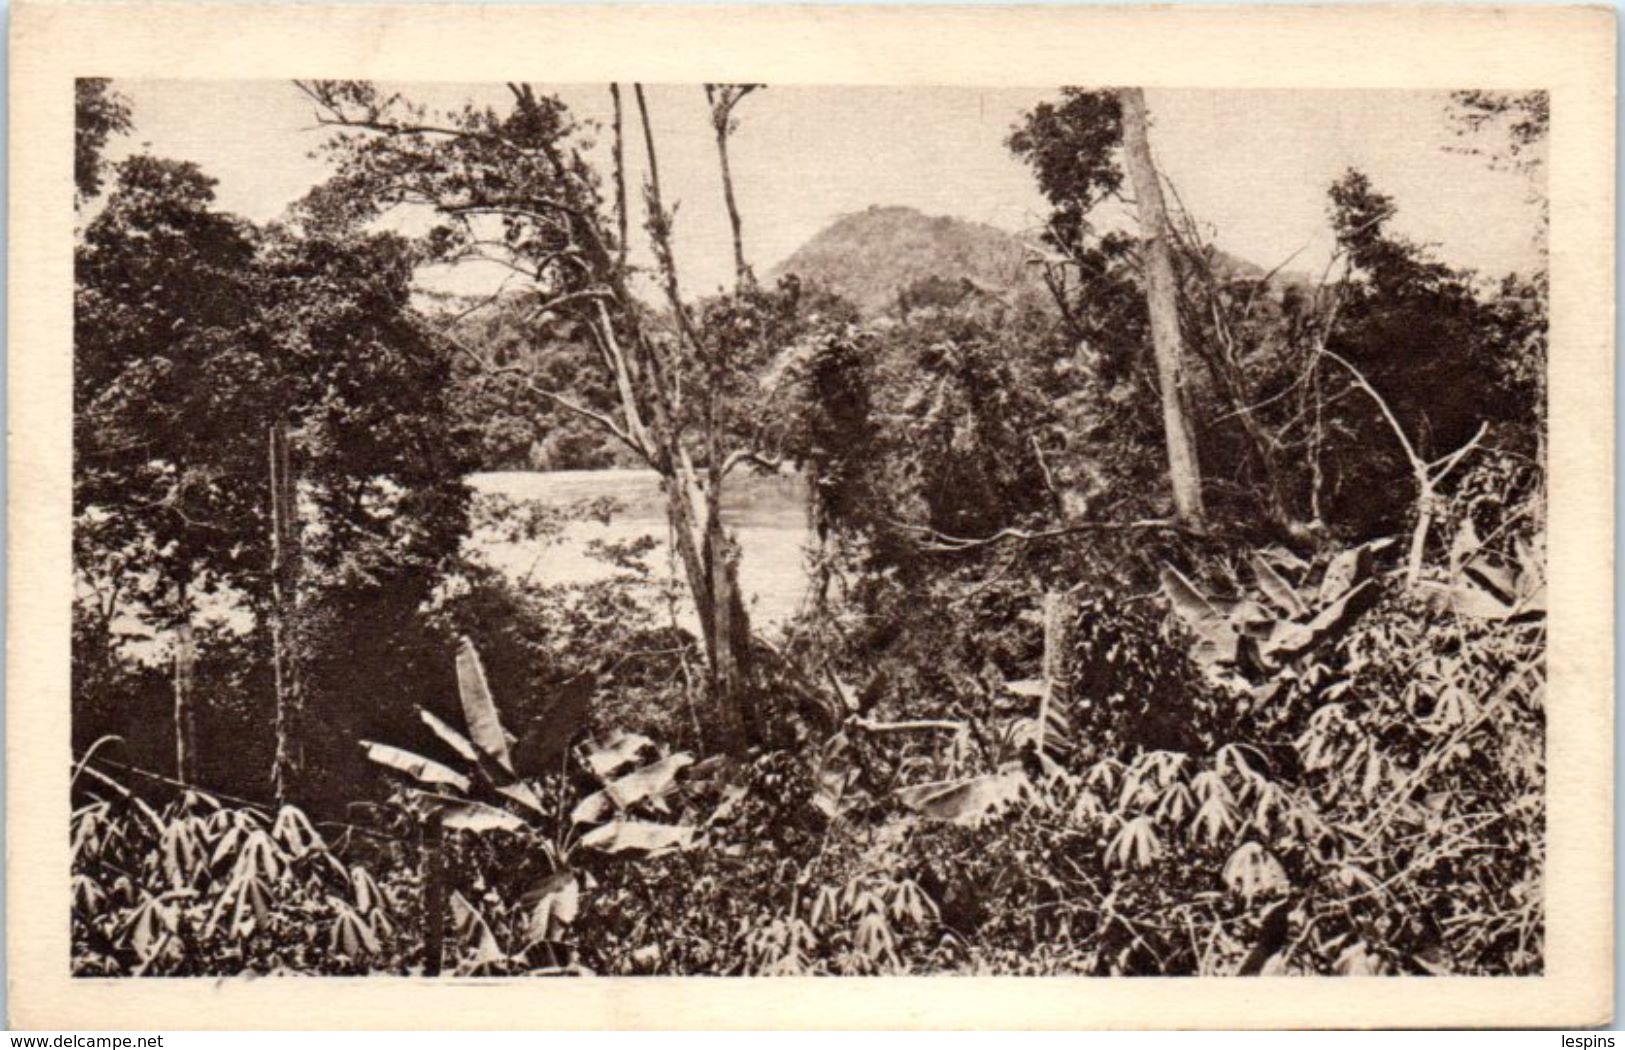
479, 710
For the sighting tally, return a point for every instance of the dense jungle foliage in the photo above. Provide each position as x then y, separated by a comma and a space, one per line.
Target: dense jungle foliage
1028, 720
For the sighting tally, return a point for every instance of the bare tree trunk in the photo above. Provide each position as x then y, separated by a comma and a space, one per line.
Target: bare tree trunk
185, 716
713, 582
649, 377
620, 176
695, 510
741, 270
289, 762
433, 917
723, 98
1162, 299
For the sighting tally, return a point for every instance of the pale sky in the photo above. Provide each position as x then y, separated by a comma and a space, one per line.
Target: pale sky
1253, 165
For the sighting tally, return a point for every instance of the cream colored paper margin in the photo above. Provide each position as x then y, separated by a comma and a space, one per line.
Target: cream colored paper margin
1567, 51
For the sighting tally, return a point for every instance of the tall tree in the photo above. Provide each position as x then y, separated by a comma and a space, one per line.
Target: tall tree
514, 189
99, 113
723, 98
196, 338
1162, 297
284, 486
1112, 429
367, 500
167, 357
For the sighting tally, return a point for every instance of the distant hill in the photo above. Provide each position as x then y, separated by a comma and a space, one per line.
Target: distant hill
870, 256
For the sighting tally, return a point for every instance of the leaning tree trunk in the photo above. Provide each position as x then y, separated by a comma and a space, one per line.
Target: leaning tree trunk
1184, 470
289, 762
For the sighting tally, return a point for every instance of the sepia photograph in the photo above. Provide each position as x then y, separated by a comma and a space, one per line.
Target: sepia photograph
695, 529
685, 527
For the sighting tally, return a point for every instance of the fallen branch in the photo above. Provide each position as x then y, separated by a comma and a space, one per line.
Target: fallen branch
943, 543
919, 725
1428, 476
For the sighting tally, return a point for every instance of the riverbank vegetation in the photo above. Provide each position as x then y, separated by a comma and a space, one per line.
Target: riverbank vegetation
1165, 614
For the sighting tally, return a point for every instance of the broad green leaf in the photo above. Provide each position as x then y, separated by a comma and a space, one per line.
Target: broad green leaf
1465, 544
365, 889
453, 739
1188, 602
552, 904
615, 754
479, 710
1217, 639
651, 781
1466, 598
1350, 567
352, 936
1288, 640
521, 792
295, 832
472, 931
1531, 584
542, 746
968, 801
417, 767
1498, 580
1135, 845
829, 797
1252, 870
1275, 587
1344, 571
638, 836
477, 817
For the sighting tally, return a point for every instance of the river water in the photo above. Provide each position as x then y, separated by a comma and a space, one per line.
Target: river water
767, 515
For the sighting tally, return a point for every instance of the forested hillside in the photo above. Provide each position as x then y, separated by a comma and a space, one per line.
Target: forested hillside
874, 257
1165, 613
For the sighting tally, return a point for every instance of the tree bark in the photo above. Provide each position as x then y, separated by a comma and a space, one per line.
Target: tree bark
649, 373
741, 270
713, 582
289, 762
1184, 469
620, 176
695, 509
185, 716
433, 918
723, 98
730, 632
